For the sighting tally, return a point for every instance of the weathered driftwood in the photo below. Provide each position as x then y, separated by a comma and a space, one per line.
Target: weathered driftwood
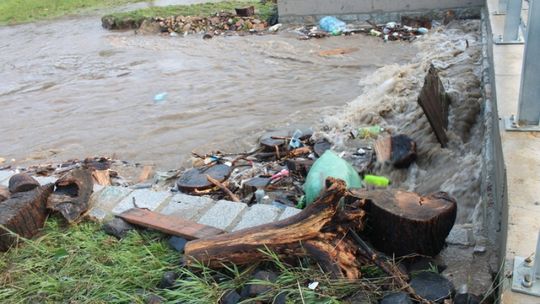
402, 223
172, 225
22, 182
223, 188
23, 214
319, 231
399, 150
71, 194
435, 102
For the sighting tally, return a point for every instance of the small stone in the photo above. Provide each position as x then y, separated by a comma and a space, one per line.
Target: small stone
117, 227
432, 286
467, 298
231, 297
396, 298
178, 243
253, 290
154, 299
168, 280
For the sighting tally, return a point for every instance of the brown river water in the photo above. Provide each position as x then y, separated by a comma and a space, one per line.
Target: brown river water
71, 89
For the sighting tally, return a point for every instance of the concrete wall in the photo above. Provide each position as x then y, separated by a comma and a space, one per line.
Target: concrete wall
359, 10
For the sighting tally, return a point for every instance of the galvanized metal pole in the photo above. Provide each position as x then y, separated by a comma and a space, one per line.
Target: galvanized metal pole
513, 21
501, 10
529, 97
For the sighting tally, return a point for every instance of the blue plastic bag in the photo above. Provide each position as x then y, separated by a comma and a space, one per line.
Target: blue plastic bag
332, 25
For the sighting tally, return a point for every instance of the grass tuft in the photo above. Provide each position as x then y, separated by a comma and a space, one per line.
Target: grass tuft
20, 11
81, 264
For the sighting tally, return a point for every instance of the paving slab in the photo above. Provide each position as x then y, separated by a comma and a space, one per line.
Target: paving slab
44, 180
223, 214
102, 202
288, 212
257, 215
142, 198
5, 175
187, 206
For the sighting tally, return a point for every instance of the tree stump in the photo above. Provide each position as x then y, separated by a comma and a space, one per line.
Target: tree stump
71, 194
402, 223
23, 214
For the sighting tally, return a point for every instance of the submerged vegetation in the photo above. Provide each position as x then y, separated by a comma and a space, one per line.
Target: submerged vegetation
20, 11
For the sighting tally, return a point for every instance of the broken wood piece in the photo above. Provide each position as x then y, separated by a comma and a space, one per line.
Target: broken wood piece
435, 102
22, 182
23, 214
102, 177
71, 194
403, 223
318, 231
338, 51
400, 150
233, 197
169, 224
299, 152
145, 174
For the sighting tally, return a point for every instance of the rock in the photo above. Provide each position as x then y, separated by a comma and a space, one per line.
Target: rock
467, 298
396, 298
195, 179
432, 286
321, 146
4, 193
168, 279
253, 290
154, 299
22, 182
403, 151
281, 298
178, 243
149, 27
231, 297
117, 227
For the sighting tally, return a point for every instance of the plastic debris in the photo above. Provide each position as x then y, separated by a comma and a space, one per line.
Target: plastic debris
378, 181
332, 25
313, 285
295, 140
330, 164
160, 97
422, 30
275, 28
370, 132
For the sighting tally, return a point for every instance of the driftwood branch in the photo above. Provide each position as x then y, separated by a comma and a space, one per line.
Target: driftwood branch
214, 181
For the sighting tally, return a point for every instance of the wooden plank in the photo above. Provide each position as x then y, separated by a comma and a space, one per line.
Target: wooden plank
435, 102
169, 224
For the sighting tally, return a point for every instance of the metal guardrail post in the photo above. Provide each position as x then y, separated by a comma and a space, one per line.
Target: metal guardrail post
501, 10
528, 118
512, 24
526, 274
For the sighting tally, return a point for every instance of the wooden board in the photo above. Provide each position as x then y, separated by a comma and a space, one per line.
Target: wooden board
435, 102
169, 224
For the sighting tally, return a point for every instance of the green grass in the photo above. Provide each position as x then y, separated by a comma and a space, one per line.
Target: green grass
263, 11
20, 11
81, 264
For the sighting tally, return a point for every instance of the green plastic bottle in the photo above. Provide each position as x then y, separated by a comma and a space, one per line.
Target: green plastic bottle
378, 181
371, 131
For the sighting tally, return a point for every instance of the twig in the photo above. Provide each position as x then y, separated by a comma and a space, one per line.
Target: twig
222, 187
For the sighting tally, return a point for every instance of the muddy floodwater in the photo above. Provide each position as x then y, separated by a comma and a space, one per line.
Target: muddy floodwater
71, 89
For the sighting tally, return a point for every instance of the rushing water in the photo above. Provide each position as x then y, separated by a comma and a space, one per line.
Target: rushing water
71, 89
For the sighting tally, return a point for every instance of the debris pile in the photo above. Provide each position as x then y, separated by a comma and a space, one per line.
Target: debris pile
218, 24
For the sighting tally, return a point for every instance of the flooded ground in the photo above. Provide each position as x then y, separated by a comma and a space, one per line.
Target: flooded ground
71, 89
